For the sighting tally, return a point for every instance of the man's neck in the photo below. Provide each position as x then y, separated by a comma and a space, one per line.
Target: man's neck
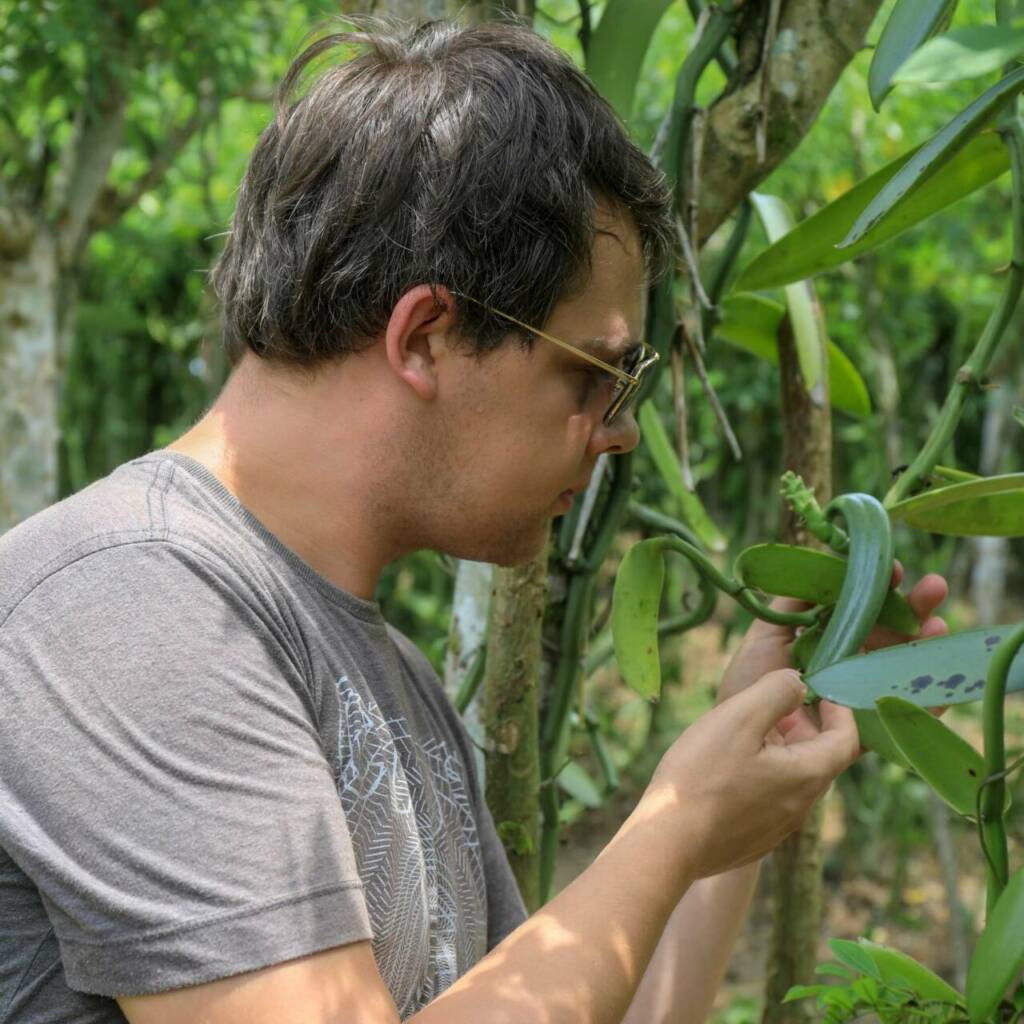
305, 484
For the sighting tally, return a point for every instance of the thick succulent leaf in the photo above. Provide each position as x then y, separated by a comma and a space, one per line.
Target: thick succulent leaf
811, 247
938, 150
999, 954
911, 23
635, 603
875, 737
987, 507
618, 46
804, 309
751, 322
929, 673
665, 459
962, 53
903, 971
946, 761
786, 570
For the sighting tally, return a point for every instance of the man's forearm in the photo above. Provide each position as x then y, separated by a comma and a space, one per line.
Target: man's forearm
579, 959
683, 977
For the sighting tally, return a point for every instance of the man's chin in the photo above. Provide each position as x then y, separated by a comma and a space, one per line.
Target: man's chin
509, 551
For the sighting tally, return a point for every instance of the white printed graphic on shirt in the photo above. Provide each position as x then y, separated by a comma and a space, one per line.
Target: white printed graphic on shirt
416, 844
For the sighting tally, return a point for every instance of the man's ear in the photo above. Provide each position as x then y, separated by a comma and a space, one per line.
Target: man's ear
417, 335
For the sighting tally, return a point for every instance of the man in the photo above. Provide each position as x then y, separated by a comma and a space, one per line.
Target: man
230, 793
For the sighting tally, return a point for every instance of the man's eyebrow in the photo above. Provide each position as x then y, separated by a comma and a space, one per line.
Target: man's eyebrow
608, 351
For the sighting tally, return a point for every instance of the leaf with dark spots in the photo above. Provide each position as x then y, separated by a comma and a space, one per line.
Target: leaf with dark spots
931, 671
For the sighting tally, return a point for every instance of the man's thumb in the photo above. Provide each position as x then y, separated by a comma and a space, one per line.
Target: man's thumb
772, 697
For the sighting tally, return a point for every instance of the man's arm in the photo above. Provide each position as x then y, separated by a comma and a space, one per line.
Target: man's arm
687, 968
723, 795
690, 961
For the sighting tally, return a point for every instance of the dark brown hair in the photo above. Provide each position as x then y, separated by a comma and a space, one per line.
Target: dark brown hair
466, 157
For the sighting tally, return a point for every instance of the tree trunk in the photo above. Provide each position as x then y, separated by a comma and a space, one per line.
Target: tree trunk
510, 716
816, 40
29, 331
467, 634
990, 555
428, 10
796, 864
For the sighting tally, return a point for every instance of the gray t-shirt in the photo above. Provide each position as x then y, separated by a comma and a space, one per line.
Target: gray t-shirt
213, 760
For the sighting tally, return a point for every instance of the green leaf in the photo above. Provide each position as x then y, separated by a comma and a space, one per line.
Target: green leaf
635, 603
911, 23
667, 462
900, 970
962, 53
617, 49
786, 570
811, 247
804, 310
938, 150
930, 673
987, 507
999, 955
946, 761
578, 783
851, 954
803, 992
835, 971
875, 737
1018, 414
751, 322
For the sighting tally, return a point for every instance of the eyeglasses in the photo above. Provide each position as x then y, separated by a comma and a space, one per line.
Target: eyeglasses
627, 379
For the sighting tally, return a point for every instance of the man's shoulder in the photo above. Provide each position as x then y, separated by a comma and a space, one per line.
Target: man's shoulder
114, 524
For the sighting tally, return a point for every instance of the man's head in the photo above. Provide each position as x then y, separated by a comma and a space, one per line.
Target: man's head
394, 223
473, 158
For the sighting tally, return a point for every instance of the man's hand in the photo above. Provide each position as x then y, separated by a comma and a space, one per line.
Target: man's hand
735, 785
768, 647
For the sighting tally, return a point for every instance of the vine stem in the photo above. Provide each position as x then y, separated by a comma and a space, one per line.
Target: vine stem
741, 594
991, 826
971, 374
716, 30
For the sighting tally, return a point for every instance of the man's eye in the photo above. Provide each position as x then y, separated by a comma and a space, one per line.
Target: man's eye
591, 378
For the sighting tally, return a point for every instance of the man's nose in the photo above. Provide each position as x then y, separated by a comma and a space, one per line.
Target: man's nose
621, 436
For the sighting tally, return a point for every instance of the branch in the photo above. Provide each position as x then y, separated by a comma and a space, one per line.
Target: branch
114, 204
815, 43
96, 138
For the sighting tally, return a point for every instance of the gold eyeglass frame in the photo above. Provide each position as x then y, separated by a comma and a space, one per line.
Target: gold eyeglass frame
629, 382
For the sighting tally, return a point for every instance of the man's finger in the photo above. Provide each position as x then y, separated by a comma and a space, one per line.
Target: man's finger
761, 706
837, 744
927, 594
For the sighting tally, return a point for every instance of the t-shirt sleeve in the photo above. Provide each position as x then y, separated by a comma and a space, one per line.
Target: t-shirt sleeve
162, 779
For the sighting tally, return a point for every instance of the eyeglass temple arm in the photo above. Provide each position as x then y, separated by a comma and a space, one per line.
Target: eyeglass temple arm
613, 370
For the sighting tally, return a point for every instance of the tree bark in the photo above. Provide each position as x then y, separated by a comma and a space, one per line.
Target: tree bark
510, 717
796, 863
816, 40
467, 635
29, 332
